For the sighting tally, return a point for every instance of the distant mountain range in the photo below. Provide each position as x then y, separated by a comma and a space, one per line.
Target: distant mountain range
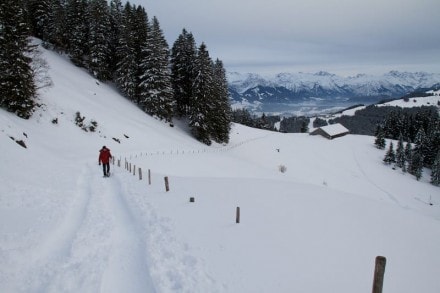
316, 91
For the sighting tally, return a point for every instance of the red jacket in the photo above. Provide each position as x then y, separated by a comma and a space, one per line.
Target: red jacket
104, 156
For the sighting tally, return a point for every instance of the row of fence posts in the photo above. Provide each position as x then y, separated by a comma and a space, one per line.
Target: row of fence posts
379, 269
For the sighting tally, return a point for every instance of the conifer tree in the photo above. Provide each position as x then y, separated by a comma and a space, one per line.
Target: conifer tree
156, 96
77, 26
390, 156
38, 11
99, 39
408, 155
380, 138
202, 92
116, 24
400, 154
183, 56
416, 166
127, 67
17, 88
220, 120
55, 33
435, 170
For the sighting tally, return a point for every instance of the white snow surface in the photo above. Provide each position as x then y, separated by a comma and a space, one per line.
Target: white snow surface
317, 227
334, 129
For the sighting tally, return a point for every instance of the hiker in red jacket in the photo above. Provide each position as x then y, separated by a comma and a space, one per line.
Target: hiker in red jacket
104, 158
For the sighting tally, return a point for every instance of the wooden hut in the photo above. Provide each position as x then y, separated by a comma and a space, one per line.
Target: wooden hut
331, 131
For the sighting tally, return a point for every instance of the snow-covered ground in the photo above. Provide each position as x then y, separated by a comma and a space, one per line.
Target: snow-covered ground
317, 227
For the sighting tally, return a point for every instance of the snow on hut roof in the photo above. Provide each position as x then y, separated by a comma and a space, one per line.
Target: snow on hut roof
335, 129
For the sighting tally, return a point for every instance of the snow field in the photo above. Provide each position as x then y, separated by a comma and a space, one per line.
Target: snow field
315, 228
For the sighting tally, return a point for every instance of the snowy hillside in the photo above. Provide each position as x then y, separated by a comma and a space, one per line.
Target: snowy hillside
317, 227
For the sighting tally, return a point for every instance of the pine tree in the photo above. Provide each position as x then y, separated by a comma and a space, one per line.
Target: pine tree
55, 33
416, 166
183, 56
39, 17
400, 154
77, 27
380, 138
126, 53
116, 24
99, 39
17, 86
220, 116
435, 170
390, 156
421, 144
156, 95
202, 92
408, 156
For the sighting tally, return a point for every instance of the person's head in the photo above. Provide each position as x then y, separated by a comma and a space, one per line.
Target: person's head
104, 148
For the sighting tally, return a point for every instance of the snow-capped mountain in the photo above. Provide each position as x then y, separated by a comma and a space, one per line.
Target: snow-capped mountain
292, 88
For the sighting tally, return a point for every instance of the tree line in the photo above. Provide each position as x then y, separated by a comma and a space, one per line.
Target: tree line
418, 141
118, 43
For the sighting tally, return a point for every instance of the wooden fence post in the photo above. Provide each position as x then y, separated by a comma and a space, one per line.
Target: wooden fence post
167, 185
237, 215
149, 177
134, 170
379, 272
140, 174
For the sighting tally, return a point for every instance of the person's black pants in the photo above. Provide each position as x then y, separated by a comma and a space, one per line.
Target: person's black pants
106, 169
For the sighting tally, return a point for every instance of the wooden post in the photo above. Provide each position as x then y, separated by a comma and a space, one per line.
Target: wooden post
237, 215
140, 174
167, 185
129, 169
134, 170
149, 177
379, 272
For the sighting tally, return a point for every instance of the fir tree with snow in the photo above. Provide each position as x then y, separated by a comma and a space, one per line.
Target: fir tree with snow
17, 86
77, 26
400, 154
201, 99
156, 94
435, 170
99, 39
183, 56
390, 156
380, 138
221, 110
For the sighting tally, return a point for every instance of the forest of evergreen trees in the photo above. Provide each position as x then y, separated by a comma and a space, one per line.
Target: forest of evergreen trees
117, 43
418, 140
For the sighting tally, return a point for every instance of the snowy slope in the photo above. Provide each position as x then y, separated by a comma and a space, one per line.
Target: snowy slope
315, 228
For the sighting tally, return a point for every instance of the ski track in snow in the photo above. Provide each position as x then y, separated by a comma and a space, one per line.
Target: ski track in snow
111, 240
96, 244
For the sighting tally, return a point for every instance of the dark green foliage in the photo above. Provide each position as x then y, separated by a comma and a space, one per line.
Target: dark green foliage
435, 170
390, 156
380, 138
183, 56
400, 155
99, 39
77, 26
295, 124
156, 94
318, 122
416, 164
202, 92
17, 88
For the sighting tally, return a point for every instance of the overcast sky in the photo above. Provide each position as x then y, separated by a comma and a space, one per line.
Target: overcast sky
340, 36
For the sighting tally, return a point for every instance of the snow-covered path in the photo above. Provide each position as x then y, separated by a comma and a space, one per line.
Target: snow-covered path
96, 247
